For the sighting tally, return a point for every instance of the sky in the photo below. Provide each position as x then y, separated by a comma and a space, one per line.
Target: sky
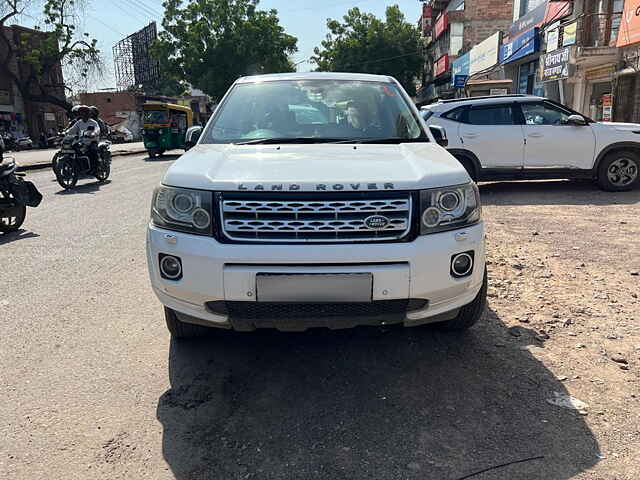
111, 20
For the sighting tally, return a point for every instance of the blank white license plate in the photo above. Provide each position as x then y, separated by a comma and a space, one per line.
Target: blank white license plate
314, 288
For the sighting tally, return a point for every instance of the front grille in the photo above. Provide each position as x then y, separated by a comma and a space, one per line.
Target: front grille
271, 310
315, 220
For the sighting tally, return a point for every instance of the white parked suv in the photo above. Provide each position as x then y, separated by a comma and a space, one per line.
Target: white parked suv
518, 137
316, 200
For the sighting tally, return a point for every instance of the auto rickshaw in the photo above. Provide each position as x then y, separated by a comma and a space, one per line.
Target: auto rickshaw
164, 127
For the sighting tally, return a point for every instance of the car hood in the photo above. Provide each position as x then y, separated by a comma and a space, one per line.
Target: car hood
316, 167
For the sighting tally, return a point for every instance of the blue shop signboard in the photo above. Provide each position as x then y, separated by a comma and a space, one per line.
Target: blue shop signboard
526, 44
459, 81
460, 70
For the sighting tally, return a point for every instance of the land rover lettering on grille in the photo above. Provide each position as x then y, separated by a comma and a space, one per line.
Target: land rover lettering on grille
319, 187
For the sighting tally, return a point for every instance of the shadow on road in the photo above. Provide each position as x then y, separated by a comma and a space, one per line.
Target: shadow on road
557, 192
164, 158
368, 403
90, 188
15, 236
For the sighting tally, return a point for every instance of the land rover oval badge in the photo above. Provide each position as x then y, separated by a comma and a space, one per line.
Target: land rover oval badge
376, 222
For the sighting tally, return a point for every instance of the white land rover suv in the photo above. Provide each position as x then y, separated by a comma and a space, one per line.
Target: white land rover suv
517, 137
316, 200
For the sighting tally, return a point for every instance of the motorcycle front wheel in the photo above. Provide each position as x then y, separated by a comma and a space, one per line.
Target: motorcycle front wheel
13, 222
103, 171
66, 173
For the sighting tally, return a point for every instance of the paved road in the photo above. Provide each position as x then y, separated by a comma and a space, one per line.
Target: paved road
92, 387
37, 156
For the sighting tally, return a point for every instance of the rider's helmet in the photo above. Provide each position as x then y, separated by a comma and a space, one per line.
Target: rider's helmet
75, 109
94, 111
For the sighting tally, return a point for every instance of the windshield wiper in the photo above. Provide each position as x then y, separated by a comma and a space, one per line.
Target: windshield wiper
272, 141
386, 140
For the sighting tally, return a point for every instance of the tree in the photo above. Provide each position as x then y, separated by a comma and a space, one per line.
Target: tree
364, 43
210, 43
41, 53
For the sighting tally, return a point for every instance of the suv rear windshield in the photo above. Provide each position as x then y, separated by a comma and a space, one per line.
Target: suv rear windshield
340, 110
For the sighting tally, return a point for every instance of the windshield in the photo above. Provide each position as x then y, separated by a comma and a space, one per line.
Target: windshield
155, 116
315, 110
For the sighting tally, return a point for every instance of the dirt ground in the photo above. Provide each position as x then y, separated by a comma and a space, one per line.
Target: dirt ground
564, 265
93, 388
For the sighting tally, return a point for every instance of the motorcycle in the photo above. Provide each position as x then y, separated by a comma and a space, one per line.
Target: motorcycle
16, 195
73, 159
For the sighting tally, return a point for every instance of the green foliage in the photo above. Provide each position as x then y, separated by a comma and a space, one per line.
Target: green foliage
210, 43
366, 44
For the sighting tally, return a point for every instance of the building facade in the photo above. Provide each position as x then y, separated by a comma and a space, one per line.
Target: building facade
17, 115
451, 29
582, 53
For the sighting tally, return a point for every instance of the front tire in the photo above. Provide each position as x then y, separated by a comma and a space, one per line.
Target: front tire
179, 329
103, 170
67, 173
619, 171
469, 315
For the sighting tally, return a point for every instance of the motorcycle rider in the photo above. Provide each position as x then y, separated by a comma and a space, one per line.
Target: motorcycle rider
74, 116
104, 128
82, 125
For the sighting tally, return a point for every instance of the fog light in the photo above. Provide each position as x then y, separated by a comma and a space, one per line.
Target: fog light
462, 264
170, 267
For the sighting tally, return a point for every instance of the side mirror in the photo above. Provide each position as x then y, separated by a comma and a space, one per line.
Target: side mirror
440, 135
193, 134
576, 120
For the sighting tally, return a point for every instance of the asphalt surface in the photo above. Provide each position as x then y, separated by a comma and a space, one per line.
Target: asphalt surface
92, 386
41, 157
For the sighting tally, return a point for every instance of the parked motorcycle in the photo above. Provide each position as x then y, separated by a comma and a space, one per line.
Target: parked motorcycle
73, 159
15, 144
16, 194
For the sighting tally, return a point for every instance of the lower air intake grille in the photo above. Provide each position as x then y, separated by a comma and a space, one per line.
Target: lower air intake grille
265, 310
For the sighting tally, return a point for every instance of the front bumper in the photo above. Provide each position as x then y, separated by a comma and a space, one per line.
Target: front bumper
216, 273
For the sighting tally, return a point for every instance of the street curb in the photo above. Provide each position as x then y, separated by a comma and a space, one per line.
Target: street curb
41, 166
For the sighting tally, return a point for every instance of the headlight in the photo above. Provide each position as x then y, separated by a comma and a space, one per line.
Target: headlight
449, 208
183, 210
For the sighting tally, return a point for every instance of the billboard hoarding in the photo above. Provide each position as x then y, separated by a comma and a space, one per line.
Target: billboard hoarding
485, 54
630, 24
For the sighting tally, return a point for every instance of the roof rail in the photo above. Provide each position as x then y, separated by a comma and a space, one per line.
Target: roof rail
467, 99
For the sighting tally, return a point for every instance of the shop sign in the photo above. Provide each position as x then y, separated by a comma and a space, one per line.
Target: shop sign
525, 44
604, 71
607, 107
546, 12
498, 91
485, 54
569, 34
460, 66
5, 97
49, 117
555, 65
629, 24
459, 81
442, 64
442, 23
552, 40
